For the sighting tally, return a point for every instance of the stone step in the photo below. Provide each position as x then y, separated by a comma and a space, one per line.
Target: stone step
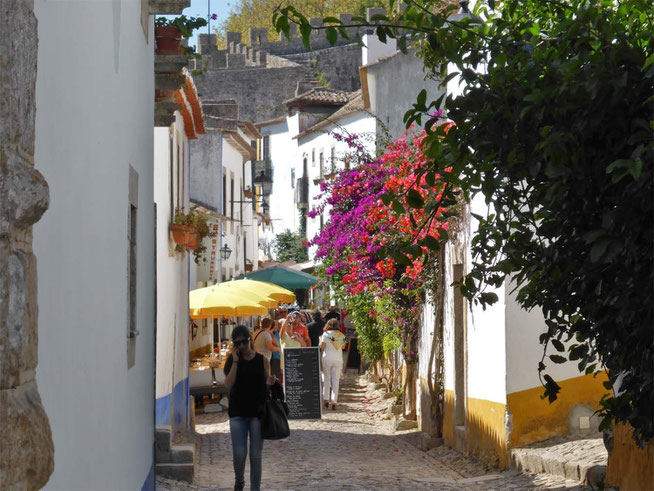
581, 460
162, 438
178, 472
178, 454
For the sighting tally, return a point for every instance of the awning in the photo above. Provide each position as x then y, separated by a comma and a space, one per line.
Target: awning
287, 278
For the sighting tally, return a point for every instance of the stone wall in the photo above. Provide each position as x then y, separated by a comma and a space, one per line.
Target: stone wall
26, 453
258, 91
339, 65
260, 75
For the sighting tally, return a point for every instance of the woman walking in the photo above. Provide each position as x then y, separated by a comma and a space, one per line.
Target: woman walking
247, 374
331, 344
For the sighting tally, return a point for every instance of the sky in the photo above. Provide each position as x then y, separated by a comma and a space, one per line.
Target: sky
200, 8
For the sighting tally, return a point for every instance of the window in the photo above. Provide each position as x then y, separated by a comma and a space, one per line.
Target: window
224, 194
333, 160
171, 178
292, 177
231, 198
266, 147
178, 187
313, 158
132, 249
322, 164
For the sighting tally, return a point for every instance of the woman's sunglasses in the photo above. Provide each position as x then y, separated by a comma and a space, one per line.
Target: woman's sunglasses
239, 342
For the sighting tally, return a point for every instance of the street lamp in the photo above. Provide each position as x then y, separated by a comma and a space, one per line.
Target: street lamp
264, 207
225, 252
265, 182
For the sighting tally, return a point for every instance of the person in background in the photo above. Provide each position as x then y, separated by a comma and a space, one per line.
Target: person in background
333, 314
292, 337
247, 375
315, 328
293, 322
264, 342
276, 359
331, 345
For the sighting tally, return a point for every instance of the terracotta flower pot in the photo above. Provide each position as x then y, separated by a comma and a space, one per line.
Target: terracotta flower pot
169, 39
193, 239
180, 233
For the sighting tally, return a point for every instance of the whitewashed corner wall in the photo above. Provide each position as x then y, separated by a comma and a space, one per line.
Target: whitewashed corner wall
172, 367
94, 98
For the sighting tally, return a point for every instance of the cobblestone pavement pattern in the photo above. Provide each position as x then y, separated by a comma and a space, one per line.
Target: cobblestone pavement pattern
353, 447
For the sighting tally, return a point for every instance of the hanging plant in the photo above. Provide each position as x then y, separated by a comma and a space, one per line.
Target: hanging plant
189, 231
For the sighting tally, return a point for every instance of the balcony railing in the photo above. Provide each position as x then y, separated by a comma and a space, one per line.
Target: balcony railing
302, 190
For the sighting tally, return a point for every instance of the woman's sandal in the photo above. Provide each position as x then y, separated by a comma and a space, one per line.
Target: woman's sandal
325, 405
334, 406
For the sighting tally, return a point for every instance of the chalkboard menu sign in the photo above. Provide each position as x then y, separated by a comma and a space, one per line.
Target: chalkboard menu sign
302, 382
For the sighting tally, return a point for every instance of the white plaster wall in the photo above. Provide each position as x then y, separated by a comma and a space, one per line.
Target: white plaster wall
172, 267
374, 49
486, 336
486, 356
233, 163
389, 100
448, 321
283, 148
359, 123
94, 98
523, 350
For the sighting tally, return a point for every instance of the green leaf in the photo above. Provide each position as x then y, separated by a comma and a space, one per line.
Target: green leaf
488, 298
558, 345
431, 243
332, 35
558, 359
305, 31
414, 200
598, 250
397, 207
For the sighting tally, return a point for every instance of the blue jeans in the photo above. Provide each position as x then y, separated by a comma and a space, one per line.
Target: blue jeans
239, 428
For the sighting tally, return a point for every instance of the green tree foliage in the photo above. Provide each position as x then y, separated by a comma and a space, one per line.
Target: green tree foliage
554, 128
291, 246
258, 14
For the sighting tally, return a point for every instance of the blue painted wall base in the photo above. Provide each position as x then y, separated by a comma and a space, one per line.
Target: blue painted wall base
180, 398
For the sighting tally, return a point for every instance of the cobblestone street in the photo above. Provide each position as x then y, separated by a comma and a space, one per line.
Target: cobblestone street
351, 448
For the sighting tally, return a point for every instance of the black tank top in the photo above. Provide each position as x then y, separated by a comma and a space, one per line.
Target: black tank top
249, 391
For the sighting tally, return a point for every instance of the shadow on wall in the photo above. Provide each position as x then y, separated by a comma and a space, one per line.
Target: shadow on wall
535, 419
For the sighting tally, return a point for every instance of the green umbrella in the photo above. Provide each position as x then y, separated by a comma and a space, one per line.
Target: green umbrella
287, 278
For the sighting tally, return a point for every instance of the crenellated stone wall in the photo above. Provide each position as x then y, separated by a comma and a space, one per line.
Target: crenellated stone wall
26, 452
261, 75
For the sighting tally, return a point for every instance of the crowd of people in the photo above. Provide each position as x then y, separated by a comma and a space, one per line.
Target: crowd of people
256, 362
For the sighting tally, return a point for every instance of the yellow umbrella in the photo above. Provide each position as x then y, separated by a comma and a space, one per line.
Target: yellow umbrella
253, 296
214, 302
263, 288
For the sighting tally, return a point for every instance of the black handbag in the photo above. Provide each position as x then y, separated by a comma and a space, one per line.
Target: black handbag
274, 422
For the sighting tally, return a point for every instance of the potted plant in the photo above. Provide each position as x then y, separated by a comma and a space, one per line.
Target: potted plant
248, 193
189, 230
169, 32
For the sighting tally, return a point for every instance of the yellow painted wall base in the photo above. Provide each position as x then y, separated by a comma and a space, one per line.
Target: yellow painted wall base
630, 467
483, 436
535, 419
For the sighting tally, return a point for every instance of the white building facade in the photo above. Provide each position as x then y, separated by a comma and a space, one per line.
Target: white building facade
95, 244
172, 194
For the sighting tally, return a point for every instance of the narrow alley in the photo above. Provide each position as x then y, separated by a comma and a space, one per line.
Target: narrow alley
350, 448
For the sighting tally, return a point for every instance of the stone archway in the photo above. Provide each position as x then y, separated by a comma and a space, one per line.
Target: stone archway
27, 452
